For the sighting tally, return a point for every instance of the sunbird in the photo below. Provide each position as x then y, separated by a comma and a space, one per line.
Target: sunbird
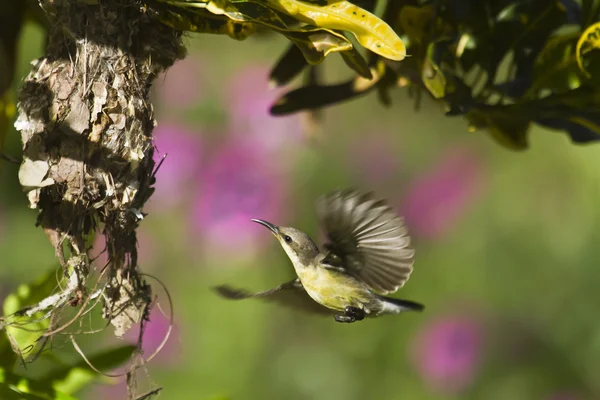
368, 255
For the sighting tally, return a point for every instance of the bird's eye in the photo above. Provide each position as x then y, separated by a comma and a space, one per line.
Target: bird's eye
287, 239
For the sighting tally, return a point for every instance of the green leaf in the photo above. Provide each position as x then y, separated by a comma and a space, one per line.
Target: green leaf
293, 62
314, 42
7, 356
316, 96
555, 69
516, 27
582, 124
590, 10
416, 22
24, 330
505, 125
431, 73
72, 378
587, 43
370, 31
288, 67
318, 45
356, 61
518, 31
14, 386
201, 21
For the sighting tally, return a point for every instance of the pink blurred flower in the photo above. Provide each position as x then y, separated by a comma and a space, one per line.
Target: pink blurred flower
239, 184
248, 100
155, 332
115, 390
183, 84
180, 168
375, 159
439, 198
448, 352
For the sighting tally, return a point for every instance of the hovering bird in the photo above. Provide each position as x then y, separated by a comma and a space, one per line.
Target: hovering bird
368, 255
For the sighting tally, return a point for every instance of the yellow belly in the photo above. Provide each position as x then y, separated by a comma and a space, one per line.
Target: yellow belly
333, 289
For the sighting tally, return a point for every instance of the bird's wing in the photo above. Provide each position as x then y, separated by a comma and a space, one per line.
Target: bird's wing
291, 294
367, 238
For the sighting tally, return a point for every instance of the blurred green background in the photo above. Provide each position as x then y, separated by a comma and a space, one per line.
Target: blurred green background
507, 244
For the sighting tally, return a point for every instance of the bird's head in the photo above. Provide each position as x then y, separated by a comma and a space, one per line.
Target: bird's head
298, 245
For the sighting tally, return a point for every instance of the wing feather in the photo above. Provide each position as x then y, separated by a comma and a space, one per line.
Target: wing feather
369, 237
290, 294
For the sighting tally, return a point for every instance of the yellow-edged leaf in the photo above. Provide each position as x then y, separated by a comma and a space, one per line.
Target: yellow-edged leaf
588, 41
370, 31
314, 42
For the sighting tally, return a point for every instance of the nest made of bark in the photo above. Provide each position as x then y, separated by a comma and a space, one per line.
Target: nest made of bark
86, 124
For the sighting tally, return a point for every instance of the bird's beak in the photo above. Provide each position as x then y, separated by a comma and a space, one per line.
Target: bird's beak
269, 225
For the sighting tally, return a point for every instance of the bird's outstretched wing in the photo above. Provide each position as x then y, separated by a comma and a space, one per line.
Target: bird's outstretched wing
367, 238
291, 294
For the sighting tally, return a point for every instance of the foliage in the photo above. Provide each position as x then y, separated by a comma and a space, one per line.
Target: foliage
503, 65
20, 335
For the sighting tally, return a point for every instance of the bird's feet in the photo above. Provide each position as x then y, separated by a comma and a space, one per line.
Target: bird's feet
351, 314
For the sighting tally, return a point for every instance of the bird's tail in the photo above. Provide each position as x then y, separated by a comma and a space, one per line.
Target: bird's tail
396, 306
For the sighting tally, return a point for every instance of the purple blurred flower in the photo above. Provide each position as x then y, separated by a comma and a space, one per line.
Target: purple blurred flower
248, 101
375, 159
117, 389
155, 331
448, 351
239, 184
183, 84
180, 168
438, 199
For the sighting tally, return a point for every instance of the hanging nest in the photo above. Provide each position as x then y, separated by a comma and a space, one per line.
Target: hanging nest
86, 124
